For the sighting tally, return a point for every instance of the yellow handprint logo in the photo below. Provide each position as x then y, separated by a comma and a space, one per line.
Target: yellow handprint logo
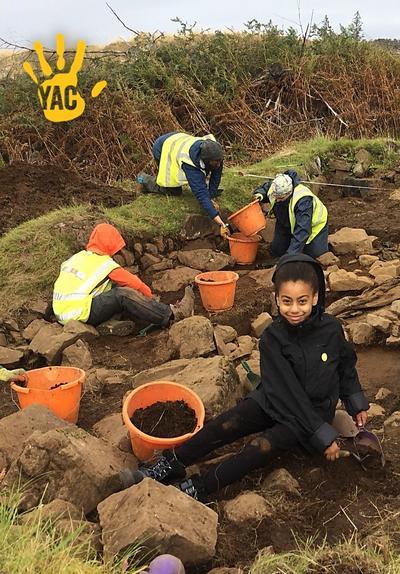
58, 95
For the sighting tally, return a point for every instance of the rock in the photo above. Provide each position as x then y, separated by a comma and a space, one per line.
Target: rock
77, 355
82, 330
105, 377
363, 156
51, 340
159, 243
263, 277
128, 256
138, 249
118, 258
351, 240
192, 337
244, 348
379, 323
220, 344
116, 327
382, 394
387, 268
165, 518
112, 429
38, 306
328, 258
393, 342
343, 280
361, 333
330, 269
214, 379
196, 225
395, 307
360, 170
11, 324
395, 331
174, 279
261, 323
338, 164
10, 358
282, 481
55, 510
3, 340
247, 506
367, 260
67, 463
148, 260
84, 536
392, 427
163, 265
18, 427
380, 279
225, 570
205, 259
151, 248
375, 411
344, 424
34, 327
227, 333
395, 195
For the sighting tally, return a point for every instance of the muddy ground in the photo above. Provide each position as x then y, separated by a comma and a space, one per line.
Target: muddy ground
337, 499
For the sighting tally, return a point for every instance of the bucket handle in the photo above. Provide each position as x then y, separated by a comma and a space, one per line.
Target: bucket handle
18, 389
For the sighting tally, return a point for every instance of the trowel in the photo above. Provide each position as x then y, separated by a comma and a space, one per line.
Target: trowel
252, 377
362, 437
369, 440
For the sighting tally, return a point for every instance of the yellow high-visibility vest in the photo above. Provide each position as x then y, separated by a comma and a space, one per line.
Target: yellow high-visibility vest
82, 277
174, 152
320, 213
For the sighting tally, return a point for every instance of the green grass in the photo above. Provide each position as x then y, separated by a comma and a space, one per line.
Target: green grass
35, 547
30, 255
309, 558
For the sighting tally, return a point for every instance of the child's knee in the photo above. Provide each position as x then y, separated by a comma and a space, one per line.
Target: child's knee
262, 444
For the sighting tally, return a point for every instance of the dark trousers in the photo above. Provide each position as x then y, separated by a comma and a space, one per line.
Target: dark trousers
128, 302
240, 421
283, 236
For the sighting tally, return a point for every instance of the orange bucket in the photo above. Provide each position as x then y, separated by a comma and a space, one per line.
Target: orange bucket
145, 446
217, 289
250, 219
244, 249
57, 388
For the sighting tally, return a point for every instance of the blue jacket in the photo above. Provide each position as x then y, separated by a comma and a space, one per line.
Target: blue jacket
195, 177
303, 212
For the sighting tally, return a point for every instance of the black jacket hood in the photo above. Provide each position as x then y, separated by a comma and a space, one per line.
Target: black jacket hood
301, 257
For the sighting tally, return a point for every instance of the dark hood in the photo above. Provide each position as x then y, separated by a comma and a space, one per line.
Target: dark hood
301, 257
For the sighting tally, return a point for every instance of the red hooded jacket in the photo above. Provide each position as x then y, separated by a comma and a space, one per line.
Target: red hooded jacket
105, 239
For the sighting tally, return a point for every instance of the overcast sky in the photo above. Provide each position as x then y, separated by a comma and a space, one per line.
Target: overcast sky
24, 21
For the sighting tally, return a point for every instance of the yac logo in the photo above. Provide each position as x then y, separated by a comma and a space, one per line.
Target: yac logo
58, 94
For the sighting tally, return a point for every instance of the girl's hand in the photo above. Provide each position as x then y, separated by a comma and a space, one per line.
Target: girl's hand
332, 452
361, 418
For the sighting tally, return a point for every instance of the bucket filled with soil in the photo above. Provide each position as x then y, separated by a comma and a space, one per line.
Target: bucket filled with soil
57, 388
217, 289
161, 415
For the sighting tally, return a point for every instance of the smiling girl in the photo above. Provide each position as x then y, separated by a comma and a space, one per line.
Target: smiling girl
306, 367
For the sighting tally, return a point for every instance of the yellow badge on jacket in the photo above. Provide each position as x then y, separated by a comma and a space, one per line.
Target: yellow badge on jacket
324, 357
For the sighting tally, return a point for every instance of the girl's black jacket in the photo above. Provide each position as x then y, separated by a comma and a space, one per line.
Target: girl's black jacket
305, 369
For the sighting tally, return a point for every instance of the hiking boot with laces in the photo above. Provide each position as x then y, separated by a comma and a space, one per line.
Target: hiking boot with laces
148, 183
185, 307
193, 487
165, 469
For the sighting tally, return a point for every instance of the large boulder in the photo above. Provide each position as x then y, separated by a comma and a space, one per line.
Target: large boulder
214, 379
351, 240
163, 518
15, 429
205, 259
343, 280
192, 337
174, 279
67, 463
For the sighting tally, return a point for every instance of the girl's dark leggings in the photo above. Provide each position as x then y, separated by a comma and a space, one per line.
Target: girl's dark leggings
244, 419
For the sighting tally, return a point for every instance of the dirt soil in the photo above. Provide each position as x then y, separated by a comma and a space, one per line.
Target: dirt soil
165, 419
27, 191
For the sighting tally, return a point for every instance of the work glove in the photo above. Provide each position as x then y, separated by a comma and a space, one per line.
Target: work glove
224, 231
258, 196
7, 376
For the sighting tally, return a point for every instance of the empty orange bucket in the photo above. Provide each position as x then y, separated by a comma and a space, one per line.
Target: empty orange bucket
250, 219
217, 289
57, 388
244, 249
145, 446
